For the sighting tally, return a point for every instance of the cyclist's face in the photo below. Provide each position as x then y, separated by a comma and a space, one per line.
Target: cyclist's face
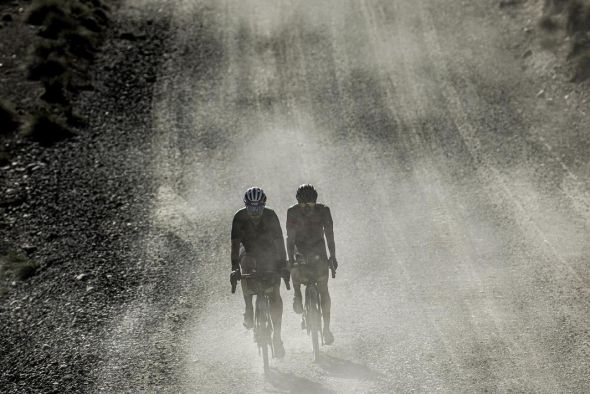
307, 206
255, 210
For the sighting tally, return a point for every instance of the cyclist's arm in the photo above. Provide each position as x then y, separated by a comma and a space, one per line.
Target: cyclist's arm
290, 236
235, 244
329, 232
278, 239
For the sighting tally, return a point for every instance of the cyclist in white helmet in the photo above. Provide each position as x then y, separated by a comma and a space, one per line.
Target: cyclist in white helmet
257, 244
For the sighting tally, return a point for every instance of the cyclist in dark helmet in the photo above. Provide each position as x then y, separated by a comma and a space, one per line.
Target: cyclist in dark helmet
257, 245
308, 223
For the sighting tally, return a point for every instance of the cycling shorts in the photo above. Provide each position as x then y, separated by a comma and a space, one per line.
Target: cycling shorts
269, 285
315, 268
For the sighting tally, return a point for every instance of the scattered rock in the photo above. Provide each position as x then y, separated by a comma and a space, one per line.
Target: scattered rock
128, 36
541, 93
29, 248
12, 200
82, 277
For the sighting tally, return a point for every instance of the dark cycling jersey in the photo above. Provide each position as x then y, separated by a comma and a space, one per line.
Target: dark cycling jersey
306, 229
262, 240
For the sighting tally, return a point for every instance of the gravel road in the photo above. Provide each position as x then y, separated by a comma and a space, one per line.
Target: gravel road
461, 232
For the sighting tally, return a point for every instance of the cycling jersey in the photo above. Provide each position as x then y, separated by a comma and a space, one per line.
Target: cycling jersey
262, 239
306, 229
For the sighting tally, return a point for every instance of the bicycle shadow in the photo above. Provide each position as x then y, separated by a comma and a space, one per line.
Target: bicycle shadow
291, 383
341, 368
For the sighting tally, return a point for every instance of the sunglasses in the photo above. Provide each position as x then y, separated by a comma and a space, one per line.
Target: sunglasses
307, 204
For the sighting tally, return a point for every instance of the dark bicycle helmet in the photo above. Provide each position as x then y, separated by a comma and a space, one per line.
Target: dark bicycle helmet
306, 193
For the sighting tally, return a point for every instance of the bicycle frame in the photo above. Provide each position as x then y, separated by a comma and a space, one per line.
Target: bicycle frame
263, 327
312, 312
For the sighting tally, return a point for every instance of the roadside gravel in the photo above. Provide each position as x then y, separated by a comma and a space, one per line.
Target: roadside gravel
78, 208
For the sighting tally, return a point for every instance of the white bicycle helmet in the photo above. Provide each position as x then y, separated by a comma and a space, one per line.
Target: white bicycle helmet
255, 200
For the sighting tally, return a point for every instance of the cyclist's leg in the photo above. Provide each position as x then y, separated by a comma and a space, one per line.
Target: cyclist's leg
325, 300
276, 314
276, 309
247, 265
326, 303
297, 297
249, 312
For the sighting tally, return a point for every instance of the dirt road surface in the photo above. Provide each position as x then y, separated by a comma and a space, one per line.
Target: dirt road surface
461, 230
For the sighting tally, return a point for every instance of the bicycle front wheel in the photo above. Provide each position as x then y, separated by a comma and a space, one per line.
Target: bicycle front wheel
264, 350
316, 345
314, 318
263, 329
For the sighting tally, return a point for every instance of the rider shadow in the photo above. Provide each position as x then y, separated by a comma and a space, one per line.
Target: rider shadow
340, 368
290, 383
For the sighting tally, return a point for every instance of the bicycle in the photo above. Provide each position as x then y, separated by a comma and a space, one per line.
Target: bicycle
263, 327
312, 311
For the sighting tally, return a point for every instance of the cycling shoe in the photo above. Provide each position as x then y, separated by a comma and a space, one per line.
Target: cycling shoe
279, 349
248, 321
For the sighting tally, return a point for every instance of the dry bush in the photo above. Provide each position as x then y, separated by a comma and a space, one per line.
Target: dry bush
15, 266
47, 127
9, 122
575, 20
578, 17
40, 11
45, 69
72, 32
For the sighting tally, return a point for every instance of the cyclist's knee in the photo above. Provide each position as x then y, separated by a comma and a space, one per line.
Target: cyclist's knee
323, 287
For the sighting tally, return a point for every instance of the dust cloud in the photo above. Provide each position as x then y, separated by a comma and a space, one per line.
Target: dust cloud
449, 278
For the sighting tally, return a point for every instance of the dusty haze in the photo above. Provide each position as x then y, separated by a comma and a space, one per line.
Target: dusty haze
462, 237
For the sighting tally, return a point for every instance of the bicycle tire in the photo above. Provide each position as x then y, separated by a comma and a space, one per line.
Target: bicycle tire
264, 350
314, 318
316, 345
263, 329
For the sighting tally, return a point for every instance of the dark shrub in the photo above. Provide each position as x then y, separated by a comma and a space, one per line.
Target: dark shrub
580, 44
46, 48
101, 16
41, 10
578, 17
78, 9
54, 92
90, 24
56, 25
582, 67
555, 6
81, 44
8, 119
548, 22
42, 70
47, 128
16, 266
